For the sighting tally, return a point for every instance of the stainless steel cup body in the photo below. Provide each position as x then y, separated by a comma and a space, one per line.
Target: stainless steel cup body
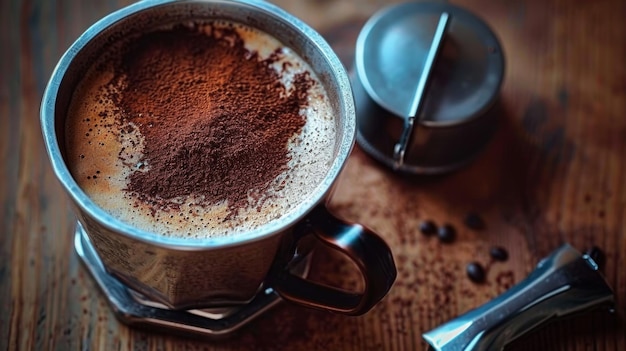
183, 273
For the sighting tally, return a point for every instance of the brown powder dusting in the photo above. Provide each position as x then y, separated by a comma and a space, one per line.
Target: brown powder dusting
215, 118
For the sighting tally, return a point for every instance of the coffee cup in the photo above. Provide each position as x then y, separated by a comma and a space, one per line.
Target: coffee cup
183, 271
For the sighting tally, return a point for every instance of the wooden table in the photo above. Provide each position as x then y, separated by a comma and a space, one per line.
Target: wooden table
555, 172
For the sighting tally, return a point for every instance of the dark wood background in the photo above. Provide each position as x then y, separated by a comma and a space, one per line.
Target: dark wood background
555, 172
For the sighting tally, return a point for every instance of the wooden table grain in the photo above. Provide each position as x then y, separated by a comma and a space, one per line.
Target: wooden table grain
555, 172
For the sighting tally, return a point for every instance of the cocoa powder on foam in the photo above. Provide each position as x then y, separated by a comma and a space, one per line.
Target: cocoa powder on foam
215, 118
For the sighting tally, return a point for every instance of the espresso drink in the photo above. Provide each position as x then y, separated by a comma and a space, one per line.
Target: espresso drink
200, 130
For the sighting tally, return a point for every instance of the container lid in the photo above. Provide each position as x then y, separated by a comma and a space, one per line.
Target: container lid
393, 50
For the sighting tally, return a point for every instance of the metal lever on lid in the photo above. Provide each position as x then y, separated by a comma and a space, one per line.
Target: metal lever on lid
399, 150
564, 283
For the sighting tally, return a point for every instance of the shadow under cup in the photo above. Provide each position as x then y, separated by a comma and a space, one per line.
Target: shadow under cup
192, 273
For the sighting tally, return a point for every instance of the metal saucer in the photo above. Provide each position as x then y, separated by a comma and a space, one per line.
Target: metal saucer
135, 310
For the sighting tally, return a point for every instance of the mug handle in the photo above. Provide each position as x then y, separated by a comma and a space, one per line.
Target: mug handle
366, 249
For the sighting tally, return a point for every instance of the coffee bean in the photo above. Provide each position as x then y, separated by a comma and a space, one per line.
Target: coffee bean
446, 233
428, 228
475, 272
597, 255
499, 253
474, 221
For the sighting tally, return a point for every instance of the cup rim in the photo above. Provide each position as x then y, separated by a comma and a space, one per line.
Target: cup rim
345, 140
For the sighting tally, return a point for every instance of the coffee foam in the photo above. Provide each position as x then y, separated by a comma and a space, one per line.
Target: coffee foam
95, 141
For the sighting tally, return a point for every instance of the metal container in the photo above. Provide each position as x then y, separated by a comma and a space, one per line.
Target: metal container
426, 77
225, 271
